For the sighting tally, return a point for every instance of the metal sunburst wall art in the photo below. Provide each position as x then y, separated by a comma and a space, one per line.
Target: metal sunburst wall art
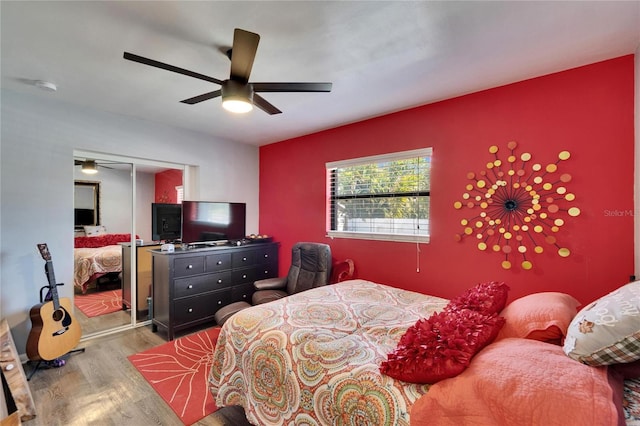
516, 207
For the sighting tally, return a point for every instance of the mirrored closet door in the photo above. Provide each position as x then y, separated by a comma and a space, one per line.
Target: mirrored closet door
113, 237
103, 205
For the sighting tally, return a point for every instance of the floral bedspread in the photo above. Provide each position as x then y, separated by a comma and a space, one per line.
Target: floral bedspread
631, 403
89, 263
313, 358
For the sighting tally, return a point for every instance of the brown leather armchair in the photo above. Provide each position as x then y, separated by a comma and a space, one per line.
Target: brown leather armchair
310, 267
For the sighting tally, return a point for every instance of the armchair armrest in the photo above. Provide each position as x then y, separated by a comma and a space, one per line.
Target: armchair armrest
342, 271
270, 283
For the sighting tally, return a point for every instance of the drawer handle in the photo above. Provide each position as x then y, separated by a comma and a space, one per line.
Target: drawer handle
219, 302
189, 266
190, 310
266, 272
219, 262
244, 275
266, 255
219, 281
244, 296
190, 286
244, 259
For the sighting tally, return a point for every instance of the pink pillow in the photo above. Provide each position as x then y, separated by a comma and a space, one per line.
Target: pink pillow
522, 382
487, 298
539, 316
441, 346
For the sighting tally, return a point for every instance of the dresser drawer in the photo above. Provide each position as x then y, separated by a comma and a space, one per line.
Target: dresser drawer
184, 267
266, 270
242, 276
267, 254
200, 307
218, 262
242, 293
243, 258
191, 286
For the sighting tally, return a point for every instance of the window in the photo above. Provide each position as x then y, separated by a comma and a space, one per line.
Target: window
383, 197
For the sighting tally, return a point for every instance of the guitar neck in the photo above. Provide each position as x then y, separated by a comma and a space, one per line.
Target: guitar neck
51, 277
53, 288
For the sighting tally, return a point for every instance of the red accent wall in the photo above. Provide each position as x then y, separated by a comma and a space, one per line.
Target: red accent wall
588, 111
166, 183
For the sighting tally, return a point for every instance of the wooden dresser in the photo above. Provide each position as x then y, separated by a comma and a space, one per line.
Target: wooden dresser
189, 286
143, 277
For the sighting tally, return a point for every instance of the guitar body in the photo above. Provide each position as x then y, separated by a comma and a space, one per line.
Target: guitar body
54, 332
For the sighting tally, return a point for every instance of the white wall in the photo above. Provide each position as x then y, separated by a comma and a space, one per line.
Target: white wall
36, 185
115, 197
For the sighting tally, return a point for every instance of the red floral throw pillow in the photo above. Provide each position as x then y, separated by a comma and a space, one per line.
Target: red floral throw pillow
101, 240
441, 346
486, 298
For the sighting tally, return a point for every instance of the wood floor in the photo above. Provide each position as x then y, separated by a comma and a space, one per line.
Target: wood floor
102, 322
101, 387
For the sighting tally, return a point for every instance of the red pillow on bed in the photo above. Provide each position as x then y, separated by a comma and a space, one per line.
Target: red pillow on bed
101, 240
441, 346
487, 298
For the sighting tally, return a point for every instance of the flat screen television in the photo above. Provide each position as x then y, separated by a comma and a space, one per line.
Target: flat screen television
211, 222
84, 217
166, 221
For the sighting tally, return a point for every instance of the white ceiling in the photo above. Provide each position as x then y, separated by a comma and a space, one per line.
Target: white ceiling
381, 56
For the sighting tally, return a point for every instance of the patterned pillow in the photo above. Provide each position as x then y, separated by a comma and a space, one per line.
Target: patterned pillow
607, 331
487, 298
441, 346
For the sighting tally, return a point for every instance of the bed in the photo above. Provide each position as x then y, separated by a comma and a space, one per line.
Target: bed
315, 358
95, 256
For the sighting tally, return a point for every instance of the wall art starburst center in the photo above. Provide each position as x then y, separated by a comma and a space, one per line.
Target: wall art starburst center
517, 207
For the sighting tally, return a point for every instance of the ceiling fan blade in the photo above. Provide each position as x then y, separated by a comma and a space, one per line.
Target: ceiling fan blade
243, 52
261, 103
157, 64
292, 87
203, 97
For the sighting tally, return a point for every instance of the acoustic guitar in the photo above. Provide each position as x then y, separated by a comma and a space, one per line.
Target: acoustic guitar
54, 332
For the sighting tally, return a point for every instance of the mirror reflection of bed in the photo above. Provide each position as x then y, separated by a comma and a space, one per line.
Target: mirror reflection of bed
104, 276
98, 275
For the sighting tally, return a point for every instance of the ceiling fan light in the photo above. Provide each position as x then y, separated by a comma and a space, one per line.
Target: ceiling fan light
89, 167
237, 96
237, 104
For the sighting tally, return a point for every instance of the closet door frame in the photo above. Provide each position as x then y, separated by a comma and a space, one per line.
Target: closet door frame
188, 173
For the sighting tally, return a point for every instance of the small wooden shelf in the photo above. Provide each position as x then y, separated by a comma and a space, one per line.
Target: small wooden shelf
14, 374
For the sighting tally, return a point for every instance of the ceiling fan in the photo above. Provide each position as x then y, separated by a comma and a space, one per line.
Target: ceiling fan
238, 94
88, 166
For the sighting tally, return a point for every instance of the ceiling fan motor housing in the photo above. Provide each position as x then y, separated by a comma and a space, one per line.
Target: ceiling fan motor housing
237, 91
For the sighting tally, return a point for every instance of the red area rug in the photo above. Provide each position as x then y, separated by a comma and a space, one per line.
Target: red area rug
178, 371
99, 303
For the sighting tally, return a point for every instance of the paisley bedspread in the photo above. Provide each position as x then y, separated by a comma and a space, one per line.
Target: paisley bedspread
313, 358
89, 263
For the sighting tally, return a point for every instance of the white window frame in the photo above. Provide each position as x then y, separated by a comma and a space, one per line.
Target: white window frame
330, 166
